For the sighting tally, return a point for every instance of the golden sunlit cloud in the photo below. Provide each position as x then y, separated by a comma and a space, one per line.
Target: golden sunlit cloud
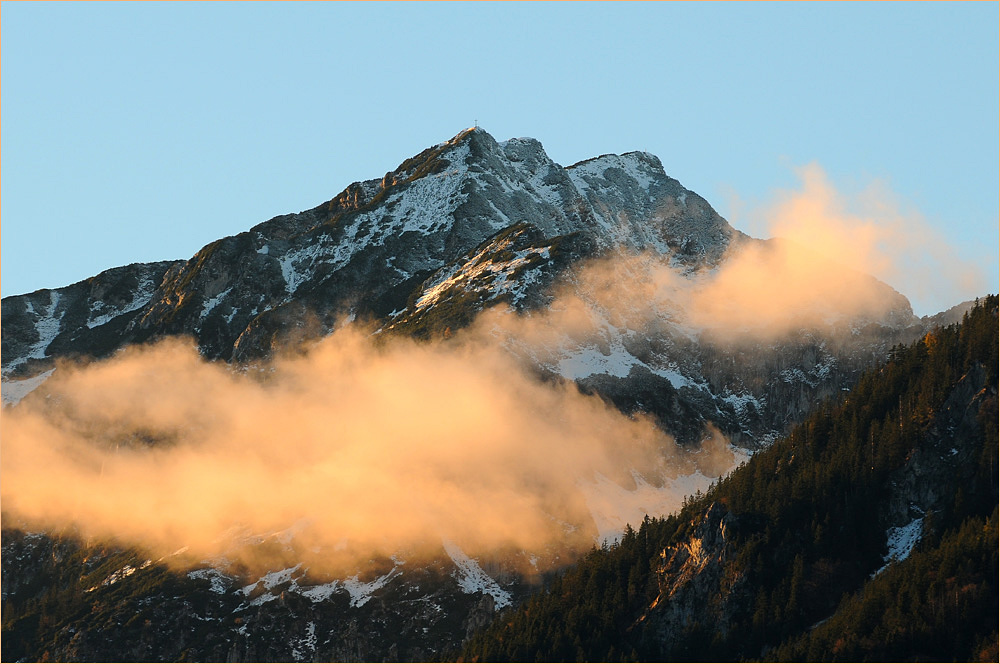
355, 449
873, 232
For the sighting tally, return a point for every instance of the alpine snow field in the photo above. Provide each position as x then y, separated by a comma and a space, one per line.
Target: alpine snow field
493, 408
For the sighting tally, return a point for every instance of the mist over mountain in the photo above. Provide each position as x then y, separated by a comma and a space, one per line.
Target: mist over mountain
359, 431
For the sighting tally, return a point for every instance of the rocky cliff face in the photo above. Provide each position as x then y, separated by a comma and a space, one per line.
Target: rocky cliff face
87, 318
698, 579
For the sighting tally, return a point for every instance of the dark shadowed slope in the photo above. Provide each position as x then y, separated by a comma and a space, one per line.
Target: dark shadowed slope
868, 534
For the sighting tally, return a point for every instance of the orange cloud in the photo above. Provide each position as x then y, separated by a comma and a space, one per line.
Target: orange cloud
873, 232
354, 448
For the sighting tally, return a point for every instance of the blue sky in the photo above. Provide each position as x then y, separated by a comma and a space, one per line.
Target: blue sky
142, 131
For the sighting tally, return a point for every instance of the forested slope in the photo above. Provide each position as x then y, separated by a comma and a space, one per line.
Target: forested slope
807, 551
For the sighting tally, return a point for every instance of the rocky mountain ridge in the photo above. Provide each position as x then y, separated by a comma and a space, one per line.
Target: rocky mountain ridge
462, 226
364, 251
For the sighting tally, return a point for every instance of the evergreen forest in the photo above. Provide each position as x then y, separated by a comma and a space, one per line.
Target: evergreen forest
787, 558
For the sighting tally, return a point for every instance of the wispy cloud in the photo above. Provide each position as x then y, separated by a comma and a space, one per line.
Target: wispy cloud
872, 231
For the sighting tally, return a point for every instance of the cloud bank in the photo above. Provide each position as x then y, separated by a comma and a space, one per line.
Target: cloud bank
352, 449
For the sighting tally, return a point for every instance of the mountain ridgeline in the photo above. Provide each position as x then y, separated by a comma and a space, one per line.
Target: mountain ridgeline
464, 226
868, 534
870, 429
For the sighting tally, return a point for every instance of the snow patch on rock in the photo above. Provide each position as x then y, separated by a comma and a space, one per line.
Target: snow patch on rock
296, 265
123, 573
47, 326
322, 592
140, 298
482, 272
901, 541
741, 402
305, 647
15, 390
471, 577
214, 302
585, 361
219, 582
362, 591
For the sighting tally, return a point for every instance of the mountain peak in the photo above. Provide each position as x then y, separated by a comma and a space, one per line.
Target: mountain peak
377, 240
369, 250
